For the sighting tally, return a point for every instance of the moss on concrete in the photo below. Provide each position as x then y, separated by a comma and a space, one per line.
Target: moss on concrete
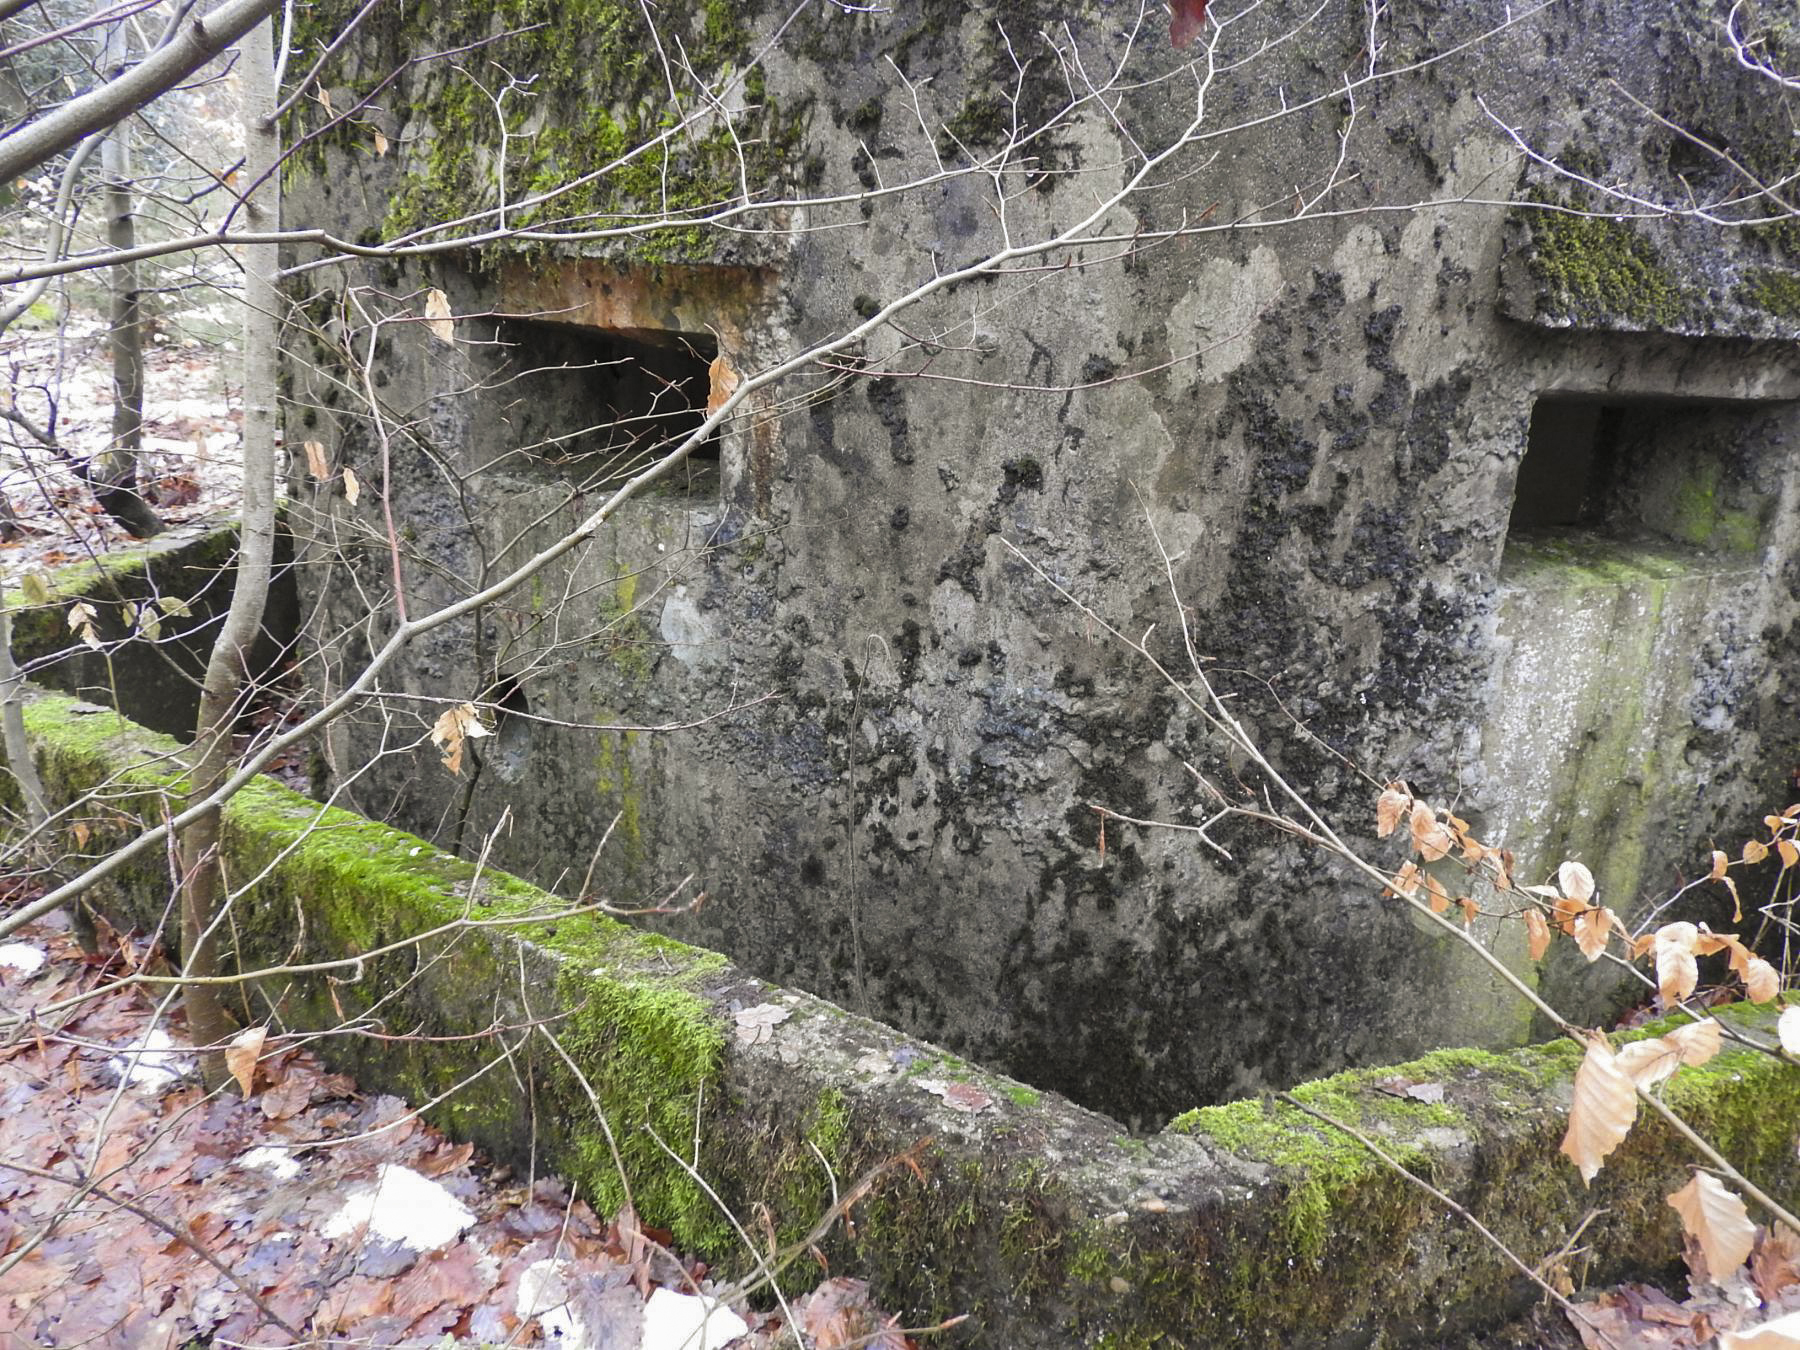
1245, 1224
1595, 271
597, 92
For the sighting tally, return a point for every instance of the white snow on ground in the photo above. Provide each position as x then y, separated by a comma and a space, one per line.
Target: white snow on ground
401, 1206
151, 1062
277, 1162
544, 1294
675, 1321
22, 957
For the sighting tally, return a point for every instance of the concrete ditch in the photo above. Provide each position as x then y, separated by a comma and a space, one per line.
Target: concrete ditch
1243, 1224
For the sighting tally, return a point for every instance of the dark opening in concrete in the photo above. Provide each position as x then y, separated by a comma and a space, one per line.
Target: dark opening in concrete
597, 405
1656, 471
510, 749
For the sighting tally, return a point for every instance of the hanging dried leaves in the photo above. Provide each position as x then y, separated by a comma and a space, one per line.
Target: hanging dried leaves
1761, 980
1391, 808
1715, 1218
316, 463
1591, 928
352, 485
438, 317
1602, 1113
457, 726
1537, 934
1677, 972
1429, 835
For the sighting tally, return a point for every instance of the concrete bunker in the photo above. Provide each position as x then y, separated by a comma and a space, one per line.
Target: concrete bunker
1676, 471
590, 405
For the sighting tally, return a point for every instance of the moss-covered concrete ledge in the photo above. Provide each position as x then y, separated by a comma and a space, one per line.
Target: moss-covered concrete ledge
1245, 1224
157, 684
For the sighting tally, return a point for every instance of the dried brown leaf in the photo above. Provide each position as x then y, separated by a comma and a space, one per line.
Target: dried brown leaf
1429, 835
1537, 935
1719, 863
1789, 853
316, 463
241, 1056
1648, 1062
1391, 808
1761, 980
1755, 850
1718, 1221
1435, 893
438, 317
1576, 881
352, 485
1697, 1041
453, 728
1591, 929
1787, 1028
1676, 970
1603, 1110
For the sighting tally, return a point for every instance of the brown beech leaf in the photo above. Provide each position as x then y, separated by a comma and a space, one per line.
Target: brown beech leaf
1537, 935
438, 317
1406, 880
1576, 881
1706, 942
1787, 1028
1604, 1108
1591, 929
1646, 1063
352, 485
1697, 1041
1715, 1218
722, 383
316, 463
1390, 808
1737, 903
1568, 911
1755, 850
1471, 910
1775, 1262
1676, 971
241, 1056
1789, 853
1435, 893
1719, 863
1428, 835
1761, 980
454, 727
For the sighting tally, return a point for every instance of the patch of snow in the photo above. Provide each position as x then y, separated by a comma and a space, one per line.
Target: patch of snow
544, 1294
277, 1162
675, 1321
401, 1206
22, 957
151, 1062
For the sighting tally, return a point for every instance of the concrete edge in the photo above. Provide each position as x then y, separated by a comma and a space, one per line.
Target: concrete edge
1244, 1224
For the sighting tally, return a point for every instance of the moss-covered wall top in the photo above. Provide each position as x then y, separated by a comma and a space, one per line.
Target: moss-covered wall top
1643, 206
579, 95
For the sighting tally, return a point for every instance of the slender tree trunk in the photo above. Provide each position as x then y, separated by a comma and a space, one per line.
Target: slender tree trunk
115, 476
203, 880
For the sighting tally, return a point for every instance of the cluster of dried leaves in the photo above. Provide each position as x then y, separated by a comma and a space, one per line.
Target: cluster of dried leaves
138, 1211
1740, 1270
1760, 1285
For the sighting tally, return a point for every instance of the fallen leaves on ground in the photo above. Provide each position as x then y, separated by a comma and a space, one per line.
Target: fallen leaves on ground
1755, 1305
336, 1211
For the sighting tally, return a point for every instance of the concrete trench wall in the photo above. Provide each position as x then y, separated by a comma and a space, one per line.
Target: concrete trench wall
1247, 1224
906, 829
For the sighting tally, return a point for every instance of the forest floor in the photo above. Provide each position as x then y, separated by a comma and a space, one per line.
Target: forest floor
191, 464
139, 1211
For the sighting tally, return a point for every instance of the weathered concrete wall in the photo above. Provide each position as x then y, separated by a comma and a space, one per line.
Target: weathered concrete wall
907, 828
1247, 1224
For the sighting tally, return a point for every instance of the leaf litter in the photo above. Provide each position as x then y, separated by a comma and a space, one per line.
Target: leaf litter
336, 1211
